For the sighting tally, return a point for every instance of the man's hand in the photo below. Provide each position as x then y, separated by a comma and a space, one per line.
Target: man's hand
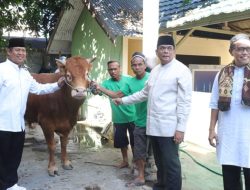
61, 82
178, 137
95, 88
117, 101
212, 138
95, 85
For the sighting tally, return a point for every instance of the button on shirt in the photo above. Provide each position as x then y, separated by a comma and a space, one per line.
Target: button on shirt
15, 85
169, 92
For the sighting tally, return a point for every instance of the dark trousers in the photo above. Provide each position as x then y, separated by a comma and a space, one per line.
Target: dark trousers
120, 134
232, 177
167, 162
11, 149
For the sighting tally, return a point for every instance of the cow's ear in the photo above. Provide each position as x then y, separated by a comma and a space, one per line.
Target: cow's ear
61, 67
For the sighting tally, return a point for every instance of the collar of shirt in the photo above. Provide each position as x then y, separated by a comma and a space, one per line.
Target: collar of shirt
16, 66
12, 64
167, 64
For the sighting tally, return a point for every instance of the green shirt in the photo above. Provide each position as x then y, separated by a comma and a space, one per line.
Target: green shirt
121, 113
133, 86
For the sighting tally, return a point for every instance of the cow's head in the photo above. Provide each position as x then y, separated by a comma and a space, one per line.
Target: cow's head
76, 70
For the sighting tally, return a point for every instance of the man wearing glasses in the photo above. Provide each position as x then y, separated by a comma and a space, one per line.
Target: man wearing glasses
230, 108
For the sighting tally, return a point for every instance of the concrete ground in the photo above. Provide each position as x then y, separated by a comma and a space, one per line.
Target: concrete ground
94, 167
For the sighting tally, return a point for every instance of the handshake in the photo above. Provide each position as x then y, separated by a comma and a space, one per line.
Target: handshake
115, 97
117, 101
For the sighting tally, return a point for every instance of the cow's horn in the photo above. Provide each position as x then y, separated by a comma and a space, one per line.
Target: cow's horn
90, 60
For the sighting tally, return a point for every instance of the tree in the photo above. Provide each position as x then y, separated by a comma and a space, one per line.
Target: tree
39, 16
9, 15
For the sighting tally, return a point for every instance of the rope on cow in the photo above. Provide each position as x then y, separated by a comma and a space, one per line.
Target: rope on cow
93, 90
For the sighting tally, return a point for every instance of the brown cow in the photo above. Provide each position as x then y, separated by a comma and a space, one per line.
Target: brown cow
57, 112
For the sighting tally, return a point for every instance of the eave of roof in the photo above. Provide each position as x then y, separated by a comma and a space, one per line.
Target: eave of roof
60, 40
218, 11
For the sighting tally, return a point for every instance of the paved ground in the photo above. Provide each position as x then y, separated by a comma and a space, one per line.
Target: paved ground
94, 170
200, 168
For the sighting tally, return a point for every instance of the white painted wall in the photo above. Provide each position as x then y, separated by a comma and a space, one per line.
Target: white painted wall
198, 125
199, 120
150, 30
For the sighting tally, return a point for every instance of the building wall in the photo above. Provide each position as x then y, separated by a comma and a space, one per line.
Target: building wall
130, 45
89, 40
206, 47
197, 127
192, 46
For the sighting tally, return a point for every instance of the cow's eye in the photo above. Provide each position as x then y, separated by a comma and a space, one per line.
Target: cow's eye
69, 77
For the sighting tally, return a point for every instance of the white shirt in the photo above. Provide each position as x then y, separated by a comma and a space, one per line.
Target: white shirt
233, 129
169, 94
15, 85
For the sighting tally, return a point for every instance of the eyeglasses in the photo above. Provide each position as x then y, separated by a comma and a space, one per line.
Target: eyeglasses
242, 49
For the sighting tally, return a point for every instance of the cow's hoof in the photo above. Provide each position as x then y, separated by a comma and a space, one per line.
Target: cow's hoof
53, 173
67, 167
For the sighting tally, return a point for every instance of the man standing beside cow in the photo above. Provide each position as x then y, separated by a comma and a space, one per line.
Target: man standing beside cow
123, 117
169, 92
138, 65
15, 85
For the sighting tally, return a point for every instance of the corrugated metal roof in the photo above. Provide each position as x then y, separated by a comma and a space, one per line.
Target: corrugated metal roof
174, 14
60, 41
119, 18
171, 10
116, 17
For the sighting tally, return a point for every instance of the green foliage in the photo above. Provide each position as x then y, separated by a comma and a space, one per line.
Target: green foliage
42, 15
9, 14
39, 16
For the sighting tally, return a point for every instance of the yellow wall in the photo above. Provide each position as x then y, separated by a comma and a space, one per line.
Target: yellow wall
192, 46
130, 46
206, 47
134, 45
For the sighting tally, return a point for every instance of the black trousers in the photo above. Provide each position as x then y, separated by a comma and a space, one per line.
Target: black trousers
232, 177
167, 162
11, 149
